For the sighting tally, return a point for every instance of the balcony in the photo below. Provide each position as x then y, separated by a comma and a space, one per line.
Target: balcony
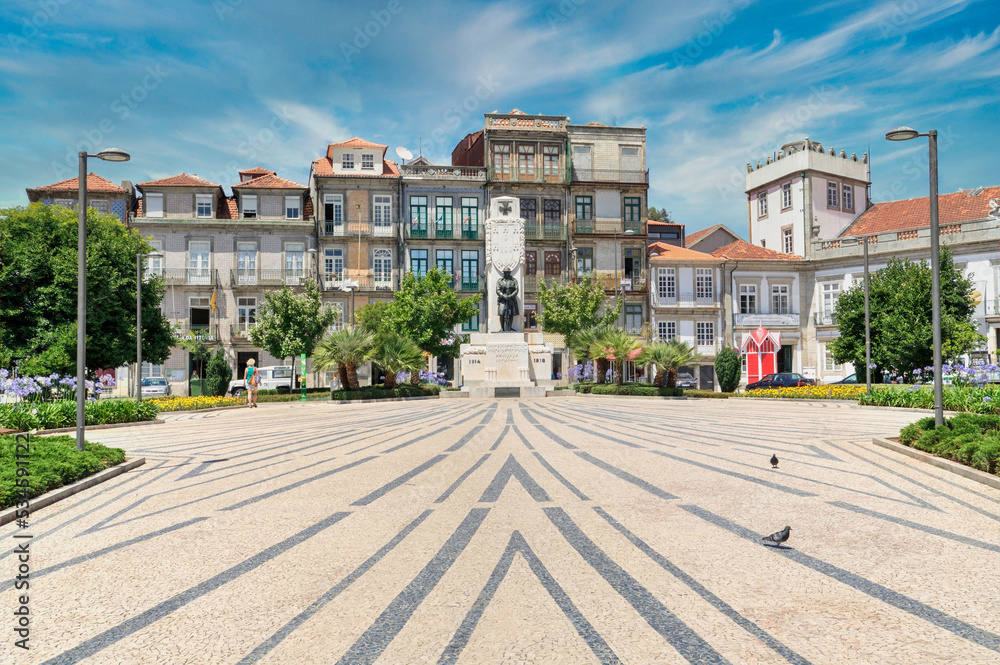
766, 320
824, 318
366, 282
544, 231
208, 332
607, 227
610, 175
191, 276
441, 232
243, 277
686, 299
514, 175
469, 284
355, 229
525, 123
533, 282
239, 332
474, 173
992, 307
633, 284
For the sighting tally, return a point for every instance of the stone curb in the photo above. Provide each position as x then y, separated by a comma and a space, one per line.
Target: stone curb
849, 403
64, 430
384, 399
940, 462
60, 493
633, 396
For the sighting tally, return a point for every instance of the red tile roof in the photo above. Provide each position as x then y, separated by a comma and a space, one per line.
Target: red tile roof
913, 213
697, 236
596, 124
324, 167
516, 112
269, 181
743, 250
95, 183
672, 254
354, 143
229, 209
257, 170
181, 180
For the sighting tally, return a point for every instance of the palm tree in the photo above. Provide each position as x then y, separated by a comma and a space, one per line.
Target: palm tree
581, 345
344, 349
617, 346
668, 357
395, 353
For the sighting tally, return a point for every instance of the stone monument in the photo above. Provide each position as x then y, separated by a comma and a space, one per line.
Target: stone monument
505, 357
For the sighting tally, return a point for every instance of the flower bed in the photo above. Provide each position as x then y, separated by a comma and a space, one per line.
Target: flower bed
847, 392
968, 438
194, 403
53, 461
975, 399
28, 416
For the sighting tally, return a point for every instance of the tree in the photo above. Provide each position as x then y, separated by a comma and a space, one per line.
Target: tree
218, 374
616, 346
200, 354
660, 215
667, 358
290, 324
344, 349
901, 319
425, 309
581, 344
568, 309
395, 353
728, 368
38, 278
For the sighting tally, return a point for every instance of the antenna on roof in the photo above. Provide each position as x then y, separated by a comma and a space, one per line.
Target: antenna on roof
404, 153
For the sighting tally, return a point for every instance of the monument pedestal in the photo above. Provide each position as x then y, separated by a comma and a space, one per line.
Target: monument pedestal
518, 364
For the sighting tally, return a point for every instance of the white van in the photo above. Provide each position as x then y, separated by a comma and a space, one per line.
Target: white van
275, 377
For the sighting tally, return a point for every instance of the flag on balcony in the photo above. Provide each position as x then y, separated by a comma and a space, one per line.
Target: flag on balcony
212, 301
416, 220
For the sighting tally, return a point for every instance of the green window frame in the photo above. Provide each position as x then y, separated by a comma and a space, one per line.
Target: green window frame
470, 270
472, 324
418, 262
444, 212
633, 209
418, 217
584, 208
470, 218
444, 259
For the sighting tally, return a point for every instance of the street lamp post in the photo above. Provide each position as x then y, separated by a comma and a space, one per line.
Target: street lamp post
108, 155
868, 338
905, 134
138, 322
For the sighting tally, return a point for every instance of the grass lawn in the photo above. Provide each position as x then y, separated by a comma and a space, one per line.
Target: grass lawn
53, 461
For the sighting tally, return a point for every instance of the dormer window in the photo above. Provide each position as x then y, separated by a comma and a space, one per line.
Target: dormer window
367, 161
153, 204
347, 160
250, 206
204, 205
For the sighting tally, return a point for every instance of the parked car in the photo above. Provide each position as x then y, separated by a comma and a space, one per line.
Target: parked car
686, 380
852, 379
275, 377
155, 387
781, 380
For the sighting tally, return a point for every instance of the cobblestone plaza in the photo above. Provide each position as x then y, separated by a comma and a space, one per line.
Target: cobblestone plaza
569, 530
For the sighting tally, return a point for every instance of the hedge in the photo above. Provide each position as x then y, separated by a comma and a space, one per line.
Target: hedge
26, 416
969, 438
378, 392
53, 461
707, 394
634, 389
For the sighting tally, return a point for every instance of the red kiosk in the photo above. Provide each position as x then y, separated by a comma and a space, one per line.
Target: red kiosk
761, 351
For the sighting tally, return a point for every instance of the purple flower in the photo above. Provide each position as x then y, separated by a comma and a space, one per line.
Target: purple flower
987, 399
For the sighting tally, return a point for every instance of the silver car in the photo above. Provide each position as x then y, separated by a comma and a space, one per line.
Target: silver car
685, 380
155, 387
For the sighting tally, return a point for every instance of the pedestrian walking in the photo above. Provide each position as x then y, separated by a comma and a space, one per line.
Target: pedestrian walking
251, 380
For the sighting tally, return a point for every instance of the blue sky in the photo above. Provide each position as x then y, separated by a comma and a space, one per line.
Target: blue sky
211, 86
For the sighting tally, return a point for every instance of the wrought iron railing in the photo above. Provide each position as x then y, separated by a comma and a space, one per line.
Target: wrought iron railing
192, 276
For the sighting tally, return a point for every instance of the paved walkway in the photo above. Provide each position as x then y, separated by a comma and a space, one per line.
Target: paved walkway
570, 530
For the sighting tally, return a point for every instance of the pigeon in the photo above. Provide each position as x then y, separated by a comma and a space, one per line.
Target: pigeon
778, 537
774, 461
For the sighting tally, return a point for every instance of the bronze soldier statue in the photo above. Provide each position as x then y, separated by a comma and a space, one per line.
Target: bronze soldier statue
507, 301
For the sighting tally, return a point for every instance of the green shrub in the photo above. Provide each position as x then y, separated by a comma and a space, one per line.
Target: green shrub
987, 458
929, 440
728, 369
969, 448
910, 433
298, 392
378, 392
53, 461
62, 413
218, 374
583, 388
710, 394
636, 389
